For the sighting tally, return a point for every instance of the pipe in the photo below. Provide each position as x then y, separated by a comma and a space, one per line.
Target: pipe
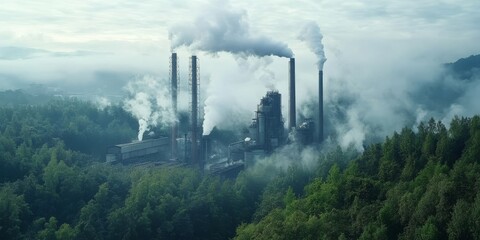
261, 128
174, 89
292, 122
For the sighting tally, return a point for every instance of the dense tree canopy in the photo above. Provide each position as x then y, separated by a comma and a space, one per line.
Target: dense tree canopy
417, 184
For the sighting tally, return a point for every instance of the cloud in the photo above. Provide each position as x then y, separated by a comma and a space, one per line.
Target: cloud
85, 76
222, 28
16, 53
382, 93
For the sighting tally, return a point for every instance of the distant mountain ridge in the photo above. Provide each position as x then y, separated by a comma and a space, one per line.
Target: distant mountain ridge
451, 85
465, 68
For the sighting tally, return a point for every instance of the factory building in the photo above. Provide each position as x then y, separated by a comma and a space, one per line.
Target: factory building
266, 130
150, 150
305, 132
265, 133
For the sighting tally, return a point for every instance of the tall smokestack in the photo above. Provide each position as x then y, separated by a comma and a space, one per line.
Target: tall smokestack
292, 122
313, 37
174, 90
194, 114
320, 106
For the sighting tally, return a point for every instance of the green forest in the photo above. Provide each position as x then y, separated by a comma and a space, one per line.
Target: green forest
421, 183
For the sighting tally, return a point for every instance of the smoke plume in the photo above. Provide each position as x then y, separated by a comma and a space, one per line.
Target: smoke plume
222, 28
311, 34
102, 102
231, 106
149, 103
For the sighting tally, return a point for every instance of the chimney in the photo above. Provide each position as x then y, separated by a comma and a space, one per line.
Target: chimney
174, 90
292, 122
320, 106
194, 113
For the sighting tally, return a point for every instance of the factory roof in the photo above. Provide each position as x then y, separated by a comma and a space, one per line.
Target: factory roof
139, 142
138, 145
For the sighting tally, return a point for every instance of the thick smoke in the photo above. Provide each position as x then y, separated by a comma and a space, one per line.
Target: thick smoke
222, 28
149, 102
232, 95
311, 34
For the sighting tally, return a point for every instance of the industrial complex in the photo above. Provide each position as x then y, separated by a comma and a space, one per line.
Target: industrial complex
266, 132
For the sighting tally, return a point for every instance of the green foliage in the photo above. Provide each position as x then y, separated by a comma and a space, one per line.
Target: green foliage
81, 125
12, 212
421, 184
415, 185
458, 227
50, 228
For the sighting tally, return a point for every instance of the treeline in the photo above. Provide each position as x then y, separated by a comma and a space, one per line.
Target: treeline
53, 186
415, 185
418, 184
80, 125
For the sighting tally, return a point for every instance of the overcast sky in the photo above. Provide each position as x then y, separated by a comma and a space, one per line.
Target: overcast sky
373, 44
126, 35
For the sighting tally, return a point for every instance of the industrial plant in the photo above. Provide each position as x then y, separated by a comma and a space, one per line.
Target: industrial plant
266, 132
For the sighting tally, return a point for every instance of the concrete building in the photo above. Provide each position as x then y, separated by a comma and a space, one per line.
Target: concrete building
267, 130
141, 151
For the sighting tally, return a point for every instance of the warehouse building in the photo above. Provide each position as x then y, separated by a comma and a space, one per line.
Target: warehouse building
150, 150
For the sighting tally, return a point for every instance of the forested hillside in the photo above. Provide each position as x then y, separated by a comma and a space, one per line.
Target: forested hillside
54, 184
420, 183
415, 185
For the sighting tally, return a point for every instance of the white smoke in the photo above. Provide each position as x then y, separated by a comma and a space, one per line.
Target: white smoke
311, 34
353, 133
142, 127
222, 28
232, 96
149, 103
102, 102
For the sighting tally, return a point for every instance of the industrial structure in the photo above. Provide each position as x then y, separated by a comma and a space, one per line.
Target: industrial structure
305, 132
195, 131
266, 132
141, 151
320, 124
267, 128
292, 122
174, 94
